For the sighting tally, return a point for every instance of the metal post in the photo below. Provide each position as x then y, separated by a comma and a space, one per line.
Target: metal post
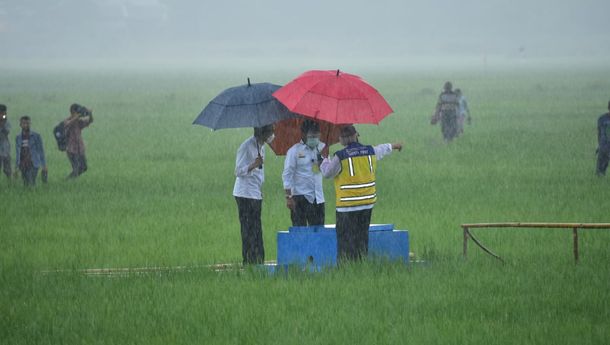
465, 241
575, 236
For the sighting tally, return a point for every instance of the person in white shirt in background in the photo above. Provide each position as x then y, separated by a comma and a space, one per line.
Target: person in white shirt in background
463, 111
302, 177
247, 191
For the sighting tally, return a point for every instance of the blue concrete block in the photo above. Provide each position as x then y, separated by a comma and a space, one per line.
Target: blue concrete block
317, 246
381, 227
391, 245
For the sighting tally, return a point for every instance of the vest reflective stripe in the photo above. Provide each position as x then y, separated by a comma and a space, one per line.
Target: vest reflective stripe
350, 162
356, 198
355, 184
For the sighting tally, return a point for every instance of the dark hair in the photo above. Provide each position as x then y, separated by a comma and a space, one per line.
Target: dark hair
262, 132
348, 131
75, 107
310, 126
448, 86
2, 108
25, 118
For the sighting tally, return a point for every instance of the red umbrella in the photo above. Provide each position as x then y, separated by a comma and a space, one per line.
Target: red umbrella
335, 97
288, 133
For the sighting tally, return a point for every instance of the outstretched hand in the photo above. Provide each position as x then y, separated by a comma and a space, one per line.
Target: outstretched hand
397, 146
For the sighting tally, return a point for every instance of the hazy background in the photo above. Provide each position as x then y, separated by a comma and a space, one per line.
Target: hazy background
314, 29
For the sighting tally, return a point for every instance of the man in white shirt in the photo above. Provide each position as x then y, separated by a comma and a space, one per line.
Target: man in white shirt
353, 170
302, 178
247, 191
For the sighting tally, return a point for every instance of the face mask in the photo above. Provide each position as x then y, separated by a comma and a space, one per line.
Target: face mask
313, 142
270, 139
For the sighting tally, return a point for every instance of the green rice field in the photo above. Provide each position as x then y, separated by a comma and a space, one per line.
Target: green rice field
158, 194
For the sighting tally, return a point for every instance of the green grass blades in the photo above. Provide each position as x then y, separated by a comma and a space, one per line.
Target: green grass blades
158, 194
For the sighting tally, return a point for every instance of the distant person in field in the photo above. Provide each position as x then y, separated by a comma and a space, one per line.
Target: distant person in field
29, 153
5, 145
250, 175
603, 141
463, 113
353, 169
302, 178
80, 117
447, 112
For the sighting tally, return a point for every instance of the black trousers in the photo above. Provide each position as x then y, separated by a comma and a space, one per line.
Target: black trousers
306, 213
29, 175
252, 248
79, 164
353, 235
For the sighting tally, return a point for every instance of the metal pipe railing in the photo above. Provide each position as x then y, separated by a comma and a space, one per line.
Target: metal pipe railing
574, 226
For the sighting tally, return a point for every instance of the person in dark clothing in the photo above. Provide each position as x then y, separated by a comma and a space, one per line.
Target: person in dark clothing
447, 111
29, 152
5, 145
80, 117
603, 141
353, 169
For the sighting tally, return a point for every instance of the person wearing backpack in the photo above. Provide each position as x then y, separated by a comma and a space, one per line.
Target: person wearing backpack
80, 117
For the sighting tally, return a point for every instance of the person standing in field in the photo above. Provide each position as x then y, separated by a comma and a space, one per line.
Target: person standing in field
29, 153
249, 178
353, 169
446, 110
80, 117
5, 145
463, 113
302, 178
603, 141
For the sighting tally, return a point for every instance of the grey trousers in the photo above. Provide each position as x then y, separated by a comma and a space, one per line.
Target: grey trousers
603, 156
5, 164
449, 125
79, 164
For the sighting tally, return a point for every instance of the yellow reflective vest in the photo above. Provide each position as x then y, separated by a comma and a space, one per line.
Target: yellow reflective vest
355, 184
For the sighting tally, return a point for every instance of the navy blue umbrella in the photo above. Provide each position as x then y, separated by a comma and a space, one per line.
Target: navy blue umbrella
250, 105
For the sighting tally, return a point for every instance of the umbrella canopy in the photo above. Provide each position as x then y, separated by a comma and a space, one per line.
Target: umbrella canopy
288, 133
335, 97
250, 105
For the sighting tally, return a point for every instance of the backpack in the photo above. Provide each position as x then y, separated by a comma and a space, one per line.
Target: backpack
59, 132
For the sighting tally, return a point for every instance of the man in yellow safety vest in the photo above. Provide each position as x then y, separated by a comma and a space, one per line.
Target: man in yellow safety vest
353, 169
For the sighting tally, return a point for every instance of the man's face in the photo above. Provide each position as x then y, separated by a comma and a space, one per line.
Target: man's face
25, 125
312, 135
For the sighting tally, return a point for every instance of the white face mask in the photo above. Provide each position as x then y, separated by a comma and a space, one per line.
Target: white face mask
270, 139
313, 142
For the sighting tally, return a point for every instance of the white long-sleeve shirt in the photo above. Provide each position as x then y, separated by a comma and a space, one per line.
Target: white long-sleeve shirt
249, 184
332, 167
301, 174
